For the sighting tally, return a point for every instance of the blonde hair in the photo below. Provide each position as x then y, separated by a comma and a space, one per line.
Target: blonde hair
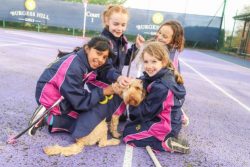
160, 52
110, 10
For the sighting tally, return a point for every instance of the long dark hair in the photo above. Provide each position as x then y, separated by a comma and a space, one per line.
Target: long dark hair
99, 43
62, 53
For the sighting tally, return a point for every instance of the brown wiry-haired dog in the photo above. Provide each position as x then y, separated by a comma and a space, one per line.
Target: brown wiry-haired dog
132, 95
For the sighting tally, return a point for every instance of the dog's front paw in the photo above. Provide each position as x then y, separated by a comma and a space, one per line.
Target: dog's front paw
116, 134
52, 150
114, 141
110, 142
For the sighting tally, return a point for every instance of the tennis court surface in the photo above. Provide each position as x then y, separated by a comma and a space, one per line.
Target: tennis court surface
217, 103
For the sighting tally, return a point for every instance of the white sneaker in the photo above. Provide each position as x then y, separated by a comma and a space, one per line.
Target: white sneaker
37, 114
185, 119
178, 145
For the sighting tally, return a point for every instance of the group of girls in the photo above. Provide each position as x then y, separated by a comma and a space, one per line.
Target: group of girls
84, 77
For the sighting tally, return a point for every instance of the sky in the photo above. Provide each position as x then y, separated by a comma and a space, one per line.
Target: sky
202, 7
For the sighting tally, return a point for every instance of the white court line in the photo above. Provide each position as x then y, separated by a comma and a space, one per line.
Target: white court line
226, 61
38, 36
127, 161
10, 44
37, 45
216, 86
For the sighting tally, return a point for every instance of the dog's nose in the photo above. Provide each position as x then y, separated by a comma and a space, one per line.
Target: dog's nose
133, 101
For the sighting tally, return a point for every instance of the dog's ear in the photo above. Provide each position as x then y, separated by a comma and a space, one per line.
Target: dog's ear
143, 94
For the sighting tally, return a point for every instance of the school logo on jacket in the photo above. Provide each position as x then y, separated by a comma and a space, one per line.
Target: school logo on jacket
138, 127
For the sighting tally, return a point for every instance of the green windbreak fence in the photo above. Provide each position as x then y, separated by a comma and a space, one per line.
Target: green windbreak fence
198, 28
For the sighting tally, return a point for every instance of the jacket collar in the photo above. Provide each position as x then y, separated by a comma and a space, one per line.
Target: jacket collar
160, 74
83, 57
109, 35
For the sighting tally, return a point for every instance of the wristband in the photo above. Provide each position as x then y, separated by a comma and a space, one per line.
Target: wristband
109, 97
105, 101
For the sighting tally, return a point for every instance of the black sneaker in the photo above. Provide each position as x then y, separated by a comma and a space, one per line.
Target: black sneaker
178, 145
37, 114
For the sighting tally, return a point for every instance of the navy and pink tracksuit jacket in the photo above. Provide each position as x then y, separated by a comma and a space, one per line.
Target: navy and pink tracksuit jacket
159, 115
68, 77
121, 57
174, 56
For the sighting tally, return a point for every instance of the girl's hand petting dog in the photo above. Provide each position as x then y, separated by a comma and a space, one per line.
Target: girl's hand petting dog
123, 81
117, 88
108, 90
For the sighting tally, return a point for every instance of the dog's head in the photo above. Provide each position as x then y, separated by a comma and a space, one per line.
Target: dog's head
134, 93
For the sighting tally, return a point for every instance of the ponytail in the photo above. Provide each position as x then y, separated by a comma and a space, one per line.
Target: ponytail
61, 53
177, 75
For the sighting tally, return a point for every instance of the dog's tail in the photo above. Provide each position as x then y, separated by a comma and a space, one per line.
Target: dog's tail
60, 150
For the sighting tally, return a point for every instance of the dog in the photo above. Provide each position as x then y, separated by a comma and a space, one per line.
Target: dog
131, 95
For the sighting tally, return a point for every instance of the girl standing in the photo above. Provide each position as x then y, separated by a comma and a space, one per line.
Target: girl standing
115, 19
171, 34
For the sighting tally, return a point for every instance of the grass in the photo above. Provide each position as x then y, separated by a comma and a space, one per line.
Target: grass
89, 33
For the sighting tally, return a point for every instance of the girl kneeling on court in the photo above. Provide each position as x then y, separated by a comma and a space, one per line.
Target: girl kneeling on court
157, 121
67, 77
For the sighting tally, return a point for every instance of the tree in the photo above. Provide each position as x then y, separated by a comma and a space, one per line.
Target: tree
245, 10
100, 2
239, 30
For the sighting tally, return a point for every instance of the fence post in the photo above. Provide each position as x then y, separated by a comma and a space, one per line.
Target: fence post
3, 23
85, 3
230, 44
73, 31
38, 27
